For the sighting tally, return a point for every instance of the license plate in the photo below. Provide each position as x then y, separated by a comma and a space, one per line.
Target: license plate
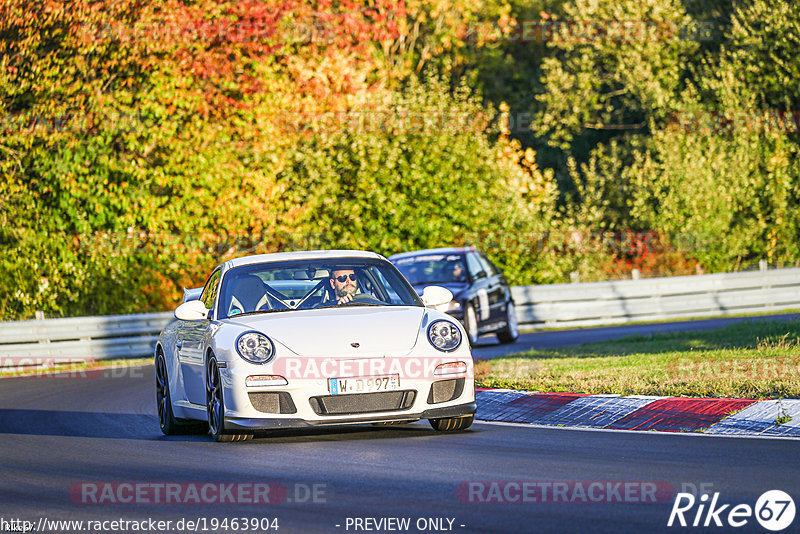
363, 384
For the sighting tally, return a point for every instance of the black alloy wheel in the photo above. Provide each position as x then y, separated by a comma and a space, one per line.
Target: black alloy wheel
215, 406
170, 425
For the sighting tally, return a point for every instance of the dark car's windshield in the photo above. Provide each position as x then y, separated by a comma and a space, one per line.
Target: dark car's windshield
309, 284
433, 268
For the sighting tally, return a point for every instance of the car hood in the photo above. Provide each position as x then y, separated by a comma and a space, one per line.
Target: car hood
377, 330
455, 287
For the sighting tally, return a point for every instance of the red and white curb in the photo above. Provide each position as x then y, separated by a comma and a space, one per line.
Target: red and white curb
638, 412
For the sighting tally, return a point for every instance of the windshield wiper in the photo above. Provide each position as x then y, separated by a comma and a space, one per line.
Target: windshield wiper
257, 312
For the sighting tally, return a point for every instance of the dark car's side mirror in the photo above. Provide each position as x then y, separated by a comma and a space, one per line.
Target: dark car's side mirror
479, 275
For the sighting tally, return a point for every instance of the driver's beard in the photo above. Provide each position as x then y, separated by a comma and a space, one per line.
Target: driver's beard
349, 289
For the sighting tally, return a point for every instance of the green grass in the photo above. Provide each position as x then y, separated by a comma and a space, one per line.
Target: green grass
753, 359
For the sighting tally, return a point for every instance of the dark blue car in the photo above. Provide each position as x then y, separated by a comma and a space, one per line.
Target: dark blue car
481, 296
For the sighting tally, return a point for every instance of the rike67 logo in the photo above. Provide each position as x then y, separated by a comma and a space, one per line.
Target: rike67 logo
774, 510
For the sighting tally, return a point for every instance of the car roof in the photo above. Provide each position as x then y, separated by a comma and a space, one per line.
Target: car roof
300, 255
445, 250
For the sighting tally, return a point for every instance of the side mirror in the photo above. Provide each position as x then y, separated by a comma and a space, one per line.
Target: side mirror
479, 275
436, 297
192, 294
192, 310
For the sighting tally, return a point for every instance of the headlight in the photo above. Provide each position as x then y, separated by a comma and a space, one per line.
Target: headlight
444, 335
255, 347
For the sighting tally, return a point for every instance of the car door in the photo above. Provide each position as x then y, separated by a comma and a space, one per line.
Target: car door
190, 345
479, 288
494, 289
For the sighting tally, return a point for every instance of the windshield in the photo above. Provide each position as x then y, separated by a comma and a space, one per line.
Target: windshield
310, 284
433, 269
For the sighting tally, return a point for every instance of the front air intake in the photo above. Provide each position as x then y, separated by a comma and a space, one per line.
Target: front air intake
386, 401
272, 402
446, 390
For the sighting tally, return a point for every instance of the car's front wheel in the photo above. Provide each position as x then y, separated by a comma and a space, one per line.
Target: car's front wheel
170, 425
510, 332
452, 424
215, 406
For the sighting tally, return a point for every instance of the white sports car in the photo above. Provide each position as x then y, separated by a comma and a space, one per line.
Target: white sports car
301, 339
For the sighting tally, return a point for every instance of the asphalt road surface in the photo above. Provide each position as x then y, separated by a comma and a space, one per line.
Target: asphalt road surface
67, 442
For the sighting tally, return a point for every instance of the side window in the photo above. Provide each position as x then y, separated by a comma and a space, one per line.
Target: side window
488, 266
210, 290
394, 298
473, 265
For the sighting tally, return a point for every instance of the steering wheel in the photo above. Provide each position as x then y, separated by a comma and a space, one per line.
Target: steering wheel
363, 297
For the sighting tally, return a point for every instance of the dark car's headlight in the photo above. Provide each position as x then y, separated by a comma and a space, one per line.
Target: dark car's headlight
444, 335
255, 347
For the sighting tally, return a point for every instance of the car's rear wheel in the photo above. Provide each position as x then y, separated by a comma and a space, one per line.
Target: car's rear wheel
215, 406
452, 424
510, 333
170, 425
471, 325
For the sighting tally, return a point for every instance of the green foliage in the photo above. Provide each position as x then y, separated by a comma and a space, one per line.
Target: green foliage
147, 143
117, 185
426, 175
731, 195
140, 144
724, 197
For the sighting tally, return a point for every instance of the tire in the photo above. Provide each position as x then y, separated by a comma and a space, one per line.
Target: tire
170, 425
471, 325
215, 406
452, 424
510, 333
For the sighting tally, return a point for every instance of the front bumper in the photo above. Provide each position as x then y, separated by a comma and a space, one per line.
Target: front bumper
235, 423
307, 401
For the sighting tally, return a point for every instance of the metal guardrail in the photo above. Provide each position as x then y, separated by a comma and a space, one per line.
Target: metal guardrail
51, 341
24, 343
623, 301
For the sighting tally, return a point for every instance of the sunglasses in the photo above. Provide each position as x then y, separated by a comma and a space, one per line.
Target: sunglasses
343, 278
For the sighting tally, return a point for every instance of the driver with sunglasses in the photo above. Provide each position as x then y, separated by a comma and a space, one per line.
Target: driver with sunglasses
344, 285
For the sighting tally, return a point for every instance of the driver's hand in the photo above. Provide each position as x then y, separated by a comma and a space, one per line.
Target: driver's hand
344, 300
